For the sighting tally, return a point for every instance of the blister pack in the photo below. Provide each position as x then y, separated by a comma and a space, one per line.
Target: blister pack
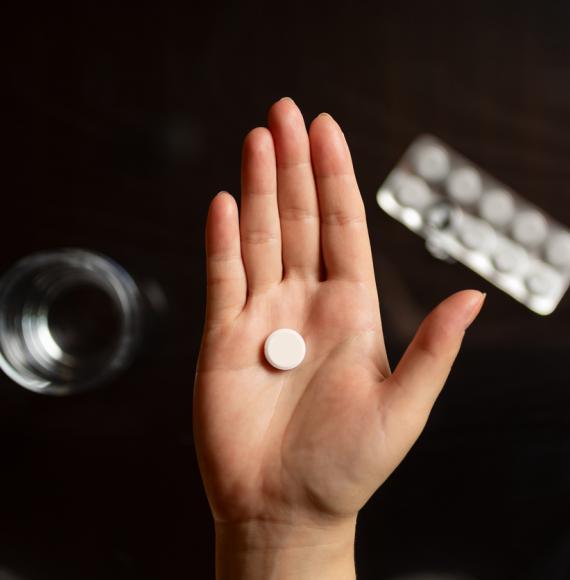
465, 214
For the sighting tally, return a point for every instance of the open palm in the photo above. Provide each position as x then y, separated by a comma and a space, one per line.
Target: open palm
315, 442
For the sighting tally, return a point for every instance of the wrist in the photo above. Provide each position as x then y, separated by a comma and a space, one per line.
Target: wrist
281, 551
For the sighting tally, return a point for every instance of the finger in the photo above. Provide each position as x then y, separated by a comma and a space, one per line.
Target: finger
344, 235
296, 191
425, 366
259, 223
227, 286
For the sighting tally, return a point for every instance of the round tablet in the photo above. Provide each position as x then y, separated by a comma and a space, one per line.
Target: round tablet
477, 235
464, 185
497, 207
542, 282
530, 228
509, 257
431, 162
285, 349
558, 250
412, 191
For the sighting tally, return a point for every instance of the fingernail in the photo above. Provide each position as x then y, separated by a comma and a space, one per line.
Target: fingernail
473, 308
333, 120
329, 116
287, 99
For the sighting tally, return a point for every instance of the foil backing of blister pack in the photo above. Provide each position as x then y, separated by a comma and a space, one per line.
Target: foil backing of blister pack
464, 213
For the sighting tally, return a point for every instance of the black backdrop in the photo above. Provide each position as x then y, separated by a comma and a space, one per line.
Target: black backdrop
121, 122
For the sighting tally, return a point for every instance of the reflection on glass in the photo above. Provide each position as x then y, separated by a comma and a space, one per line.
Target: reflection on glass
70, 319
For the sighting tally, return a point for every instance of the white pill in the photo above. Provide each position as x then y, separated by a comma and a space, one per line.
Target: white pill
558, 249
505, 261
497, 207
285, 349
412, 191
530, 228
542, 282
509, 257
464, 185
431, 162
477, 235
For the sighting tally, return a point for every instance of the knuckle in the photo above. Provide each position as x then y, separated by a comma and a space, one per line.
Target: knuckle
294, 165
343, 218
297, 214
259, 237
222, 258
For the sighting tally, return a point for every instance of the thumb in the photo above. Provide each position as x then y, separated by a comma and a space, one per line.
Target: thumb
425, 366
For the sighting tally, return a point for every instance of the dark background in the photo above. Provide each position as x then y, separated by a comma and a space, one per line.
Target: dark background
121, 123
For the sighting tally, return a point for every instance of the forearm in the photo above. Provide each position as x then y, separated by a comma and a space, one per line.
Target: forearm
270, 551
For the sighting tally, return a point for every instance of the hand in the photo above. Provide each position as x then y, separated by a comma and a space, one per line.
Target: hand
289, 457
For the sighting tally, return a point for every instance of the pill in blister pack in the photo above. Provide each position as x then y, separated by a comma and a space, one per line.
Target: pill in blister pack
464, 213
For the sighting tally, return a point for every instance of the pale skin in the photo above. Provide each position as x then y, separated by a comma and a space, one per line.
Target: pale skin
289, 458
